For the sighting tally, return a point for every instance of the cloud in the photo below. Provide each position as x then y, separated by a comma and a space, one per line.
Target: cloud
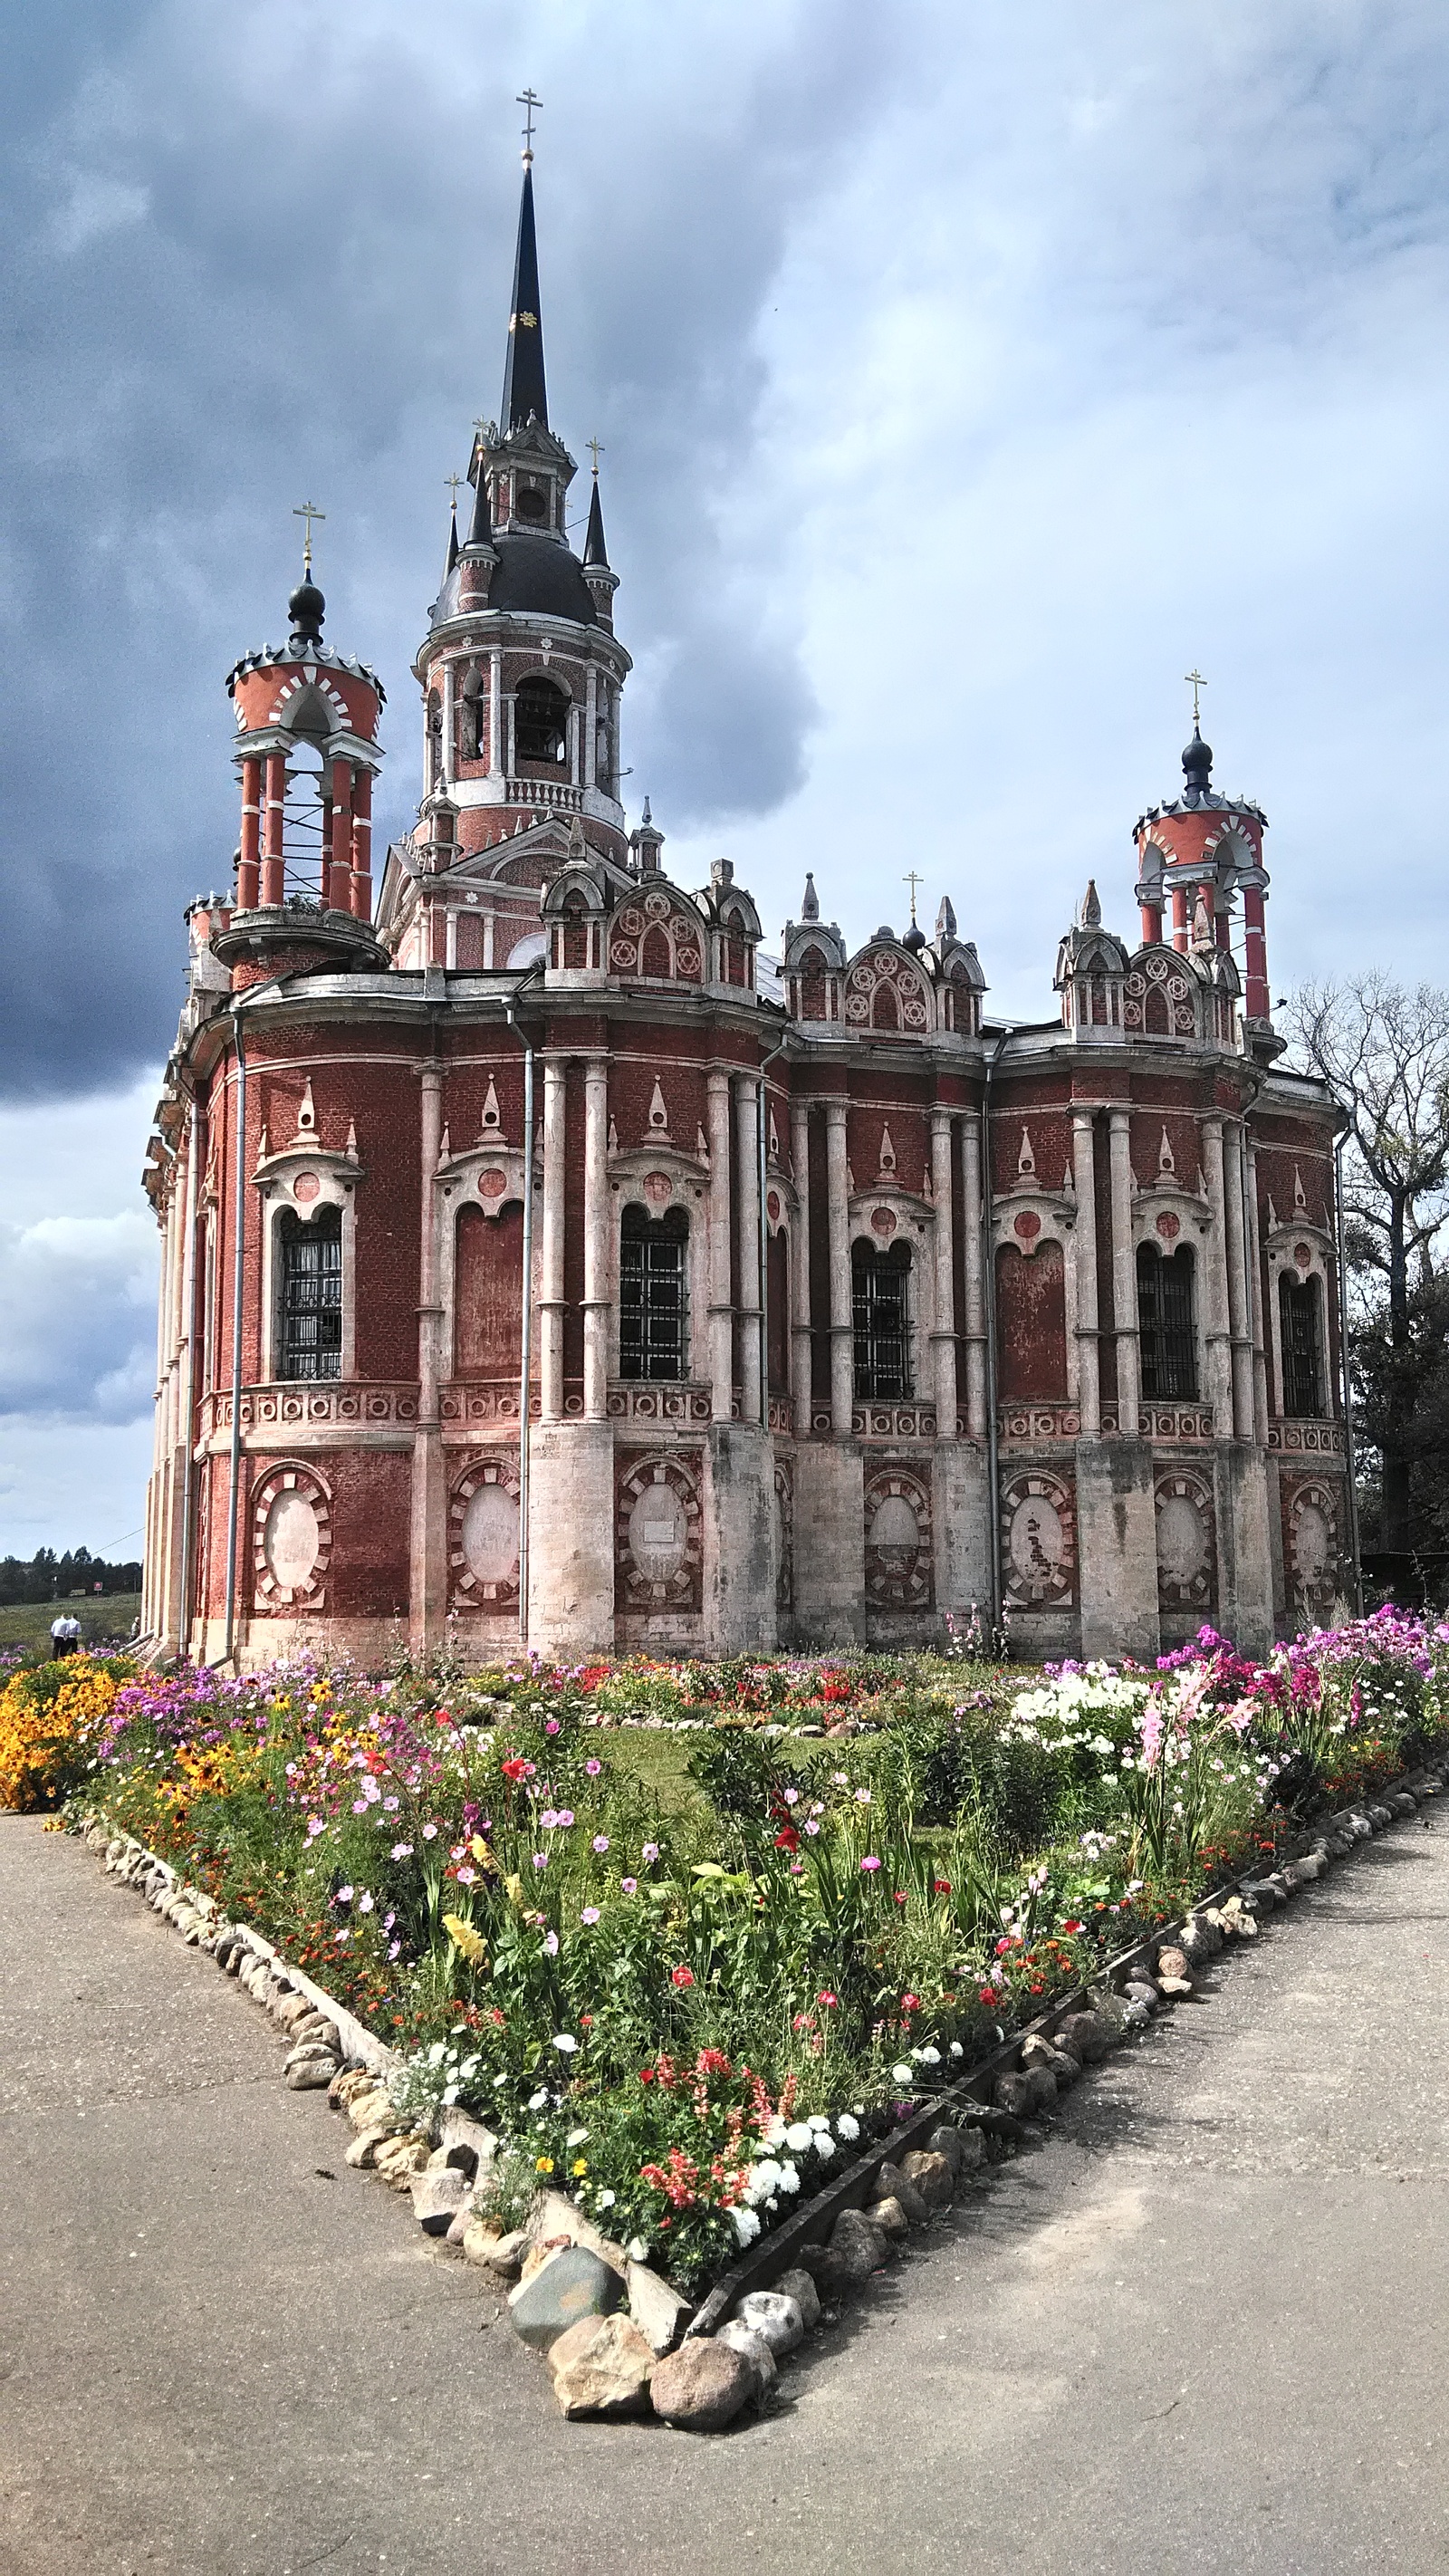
78, 1303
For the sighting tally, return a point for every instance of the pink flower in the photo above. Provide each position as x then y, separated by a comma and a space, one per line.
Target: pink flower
593, 1769
681, 1976
601, 1842
551, 1726
590, 1914
629, 1885
870, 1861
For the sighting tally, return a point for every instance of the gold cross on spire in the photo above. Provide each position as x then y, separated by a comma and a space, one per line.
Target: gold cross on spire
912, 880
1195, 681
595, 447
451, 483
528, 102
309, 511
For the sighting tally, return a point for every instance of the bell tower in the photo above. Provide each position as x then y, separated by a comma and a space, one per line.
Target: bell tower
1197, 855
307, 754
522, 674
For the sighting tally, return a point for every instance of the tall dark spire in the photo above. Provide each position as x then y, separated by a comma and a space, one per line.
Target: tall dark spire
595, 550
524, 391
452, 541
480, 526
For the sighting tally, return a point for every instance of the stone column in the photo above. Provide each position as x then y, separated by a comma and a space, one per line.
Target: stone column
450, 717
976, 1252
842, 1335
273, 864
551, 1303
943, 1338
1255, 1297
1242, 1344
1089, 1405
596, 1240
591, 726
427, 1552
1124, 1276
747, 1148
721, 1312
1214, 1272
495, 713
800, 1365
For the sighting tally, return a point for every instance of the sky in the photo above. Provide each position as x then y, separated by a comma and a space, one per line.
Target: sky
965, 374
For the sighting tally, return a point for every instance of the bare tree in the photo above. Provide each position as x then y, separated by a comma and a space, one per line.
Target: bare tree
1385, 1053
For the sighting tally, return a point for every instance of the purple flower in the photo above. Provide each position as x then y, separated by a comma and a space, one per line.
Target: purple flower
870, 1861
564, 1817
550, 1943
540, 1860
601, 1842
651, 1851
551, 1726
629, 1885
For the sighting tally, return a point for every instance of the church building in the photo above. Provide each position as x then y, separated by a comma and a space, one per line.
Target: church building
545, 1261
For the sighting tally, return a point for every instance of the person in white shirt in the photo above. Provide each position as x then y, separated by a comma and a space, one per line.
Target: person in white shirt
65, 1634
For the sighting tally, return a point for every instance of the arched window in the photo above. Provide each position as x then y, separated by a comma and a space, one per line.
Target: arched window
734, 949
883, 1011
488, 1292
574, 943
541, 722
1165, 1322
309, 1295
654, 956
879, 1304
812, 985
1300, 1317
652, 1314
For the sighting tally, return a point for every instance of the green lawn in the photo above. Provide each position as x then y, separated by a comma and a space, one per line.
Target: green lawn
27, 1623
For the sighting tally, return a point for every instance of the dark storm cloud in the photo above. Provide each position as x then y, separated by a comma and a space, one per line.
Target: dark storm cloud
262, 257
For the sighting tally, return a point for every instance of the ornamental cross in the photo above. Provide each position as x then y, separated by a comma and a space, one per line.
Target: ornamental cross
912, 880
309, 511
528, 101
1195, 681
451, 483
595, 447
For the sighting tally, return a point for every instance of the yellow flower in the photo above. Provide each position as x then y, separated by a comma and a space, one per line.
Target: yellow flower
580, 2165
460, 1931
544, 2164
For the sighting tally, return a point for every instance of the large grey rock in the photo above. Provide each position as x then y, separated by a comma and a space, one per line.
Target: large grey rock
702, 2387
309, 2074
946, 2141
500, 2255
889, 2217
1086, 2035
800, 2286
1014, 2093
437, 2199
466, 2137
659, 2312
832, 2275
601, 2366
573, 2284
861, 2247
1061, 2064
775, 2315
752, 2348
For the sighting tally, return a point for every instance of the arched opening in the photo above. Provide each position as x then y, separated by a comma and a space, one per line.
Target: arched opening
471, 727
1031, 1322
1300, 1319
883, 1011
574, 934
1166, 1323
652, 1309
777, 1322
470, 943
654, 956
812, 985
880, 1299
488, 1292
734, 949
541, 724
309, 1294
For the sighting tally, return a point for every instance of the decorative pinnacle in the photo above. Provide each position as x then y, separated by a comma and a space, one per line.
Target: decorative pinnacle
595, 447
308, 511
528, 101
1195, 681
450, 484
912, 880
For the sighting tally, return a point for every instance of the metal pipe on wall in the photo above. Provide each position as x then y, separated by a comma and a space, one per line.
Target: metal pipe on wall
1345, 1378
188, 1401
525, 1336
993, 1463
761, 1115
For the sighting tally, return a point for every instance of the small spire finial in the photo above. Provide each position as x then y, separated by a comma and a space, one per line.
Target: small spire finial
450, 484
1195, 681
308, 511
595, 447
912, 880
528, 101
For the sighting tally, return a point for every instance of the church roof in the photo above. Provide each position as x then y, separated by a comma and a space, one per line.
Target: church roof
525, 395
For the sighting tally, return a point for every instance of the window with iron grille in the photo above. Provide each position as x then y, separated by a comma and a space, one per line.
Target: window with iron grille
1165, 1322
652, 1294
310, 1295
1298, 1316
879, 1293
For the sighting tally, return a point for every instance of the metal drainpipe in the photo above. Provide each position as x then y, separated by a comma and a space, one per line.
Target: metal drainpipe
761, 1114
526, 1319
188, 1308
1346, 1381
989, 1282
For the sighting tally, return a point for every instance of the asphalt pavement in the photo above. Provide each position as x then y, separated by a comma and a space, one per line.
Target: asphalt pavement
1201, 2328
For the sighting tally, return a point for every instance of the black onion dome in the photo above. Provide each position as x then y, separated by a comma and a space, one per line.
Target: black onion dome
540, 578
306, 608
1197, 762
915, 937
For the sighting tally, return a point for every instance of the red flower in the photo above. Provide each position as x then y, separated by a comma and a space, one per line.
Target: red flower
787, 1839
646, 2074
828, 2000
942, 1886
681, 1976
517, 1769
900, 1896
1074, 1926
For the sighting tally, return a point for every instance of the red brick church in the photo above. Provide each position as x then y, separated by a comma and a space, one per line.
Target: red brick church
830, 1304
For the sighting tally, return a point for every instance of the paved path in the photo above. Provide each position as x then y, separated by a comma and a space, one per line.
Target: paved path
1201, 2329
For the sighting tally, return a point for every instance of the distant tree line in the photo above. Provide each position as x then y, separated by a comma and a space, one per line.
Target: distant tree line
48, 1577
1385, 1052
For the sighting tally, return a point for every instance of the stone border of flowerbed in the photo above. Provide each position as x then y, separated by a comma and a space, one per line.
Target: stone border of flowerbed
619, 2339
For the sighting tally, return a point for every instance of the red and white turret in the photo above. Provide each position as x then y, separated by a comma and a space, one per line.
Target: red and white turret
1205, 849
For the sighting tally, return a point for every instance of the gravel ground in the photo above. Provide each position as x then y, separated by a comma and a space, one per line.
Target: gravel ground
1199, 2328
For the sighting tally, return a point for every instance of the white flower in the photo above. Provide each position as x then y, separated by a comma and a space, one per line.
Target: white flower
797, 2135
450, 2093
956, 2048
927, 2056
637, 2250
789, 2178
576, 2137
436, 2053
902, 2074
605, 2199
775, 2134
746, 2225
824, 2144
564, 2044
846, 2127
537, 2100
764, 2179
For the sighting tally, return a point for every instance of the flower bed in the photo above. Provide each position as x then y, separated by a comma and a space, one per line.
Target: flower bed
684, 1991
